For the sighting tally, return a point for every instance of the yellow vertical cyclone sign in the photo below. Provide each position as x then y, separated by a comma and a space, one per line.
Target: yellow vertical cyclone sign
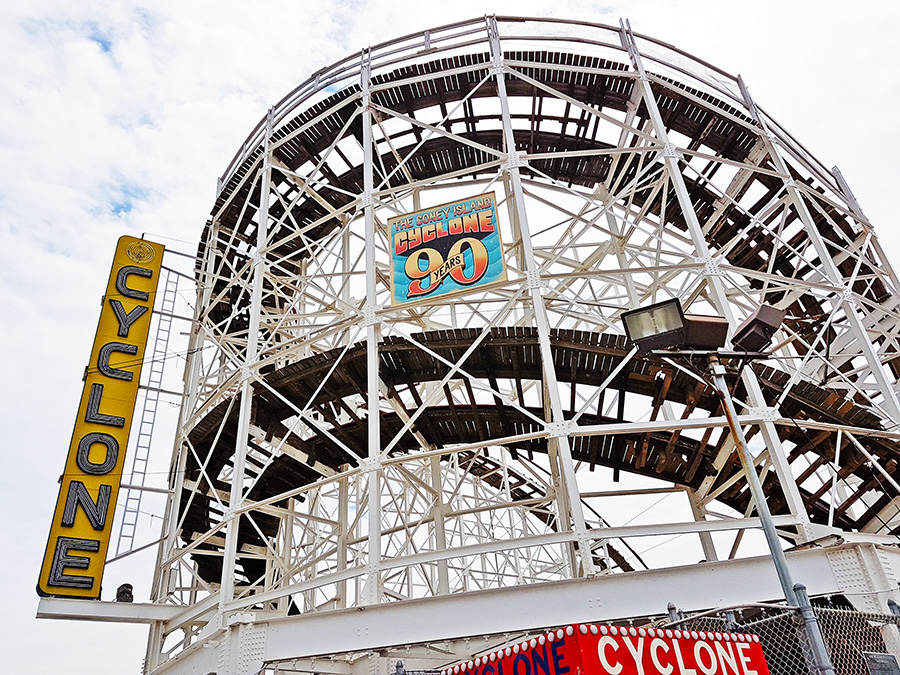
82, 523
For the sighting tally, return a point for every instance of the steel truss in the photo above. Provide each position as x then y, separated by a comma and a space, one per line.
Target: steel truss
628, 172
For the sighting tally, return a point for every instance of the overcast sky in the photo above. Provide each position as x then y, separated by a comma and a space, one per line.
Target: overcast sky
116, 118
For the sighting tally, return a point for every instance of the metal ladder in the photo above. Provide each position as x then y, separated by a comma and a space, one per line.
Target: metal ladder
141, 456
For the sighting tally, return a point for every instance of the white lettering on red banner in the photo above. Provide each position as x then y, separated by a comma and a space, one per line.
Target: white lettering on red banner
610, 650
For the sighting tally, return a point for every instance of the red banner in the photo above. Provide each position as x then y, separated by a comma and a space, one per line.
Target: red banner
609, 650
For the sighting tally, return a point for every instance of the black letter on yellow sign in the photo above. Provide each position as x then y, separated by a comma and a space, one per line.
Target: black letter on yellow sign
93, 413
103, 360
78, 495
62, 560
83, 457
122, 282
126, 319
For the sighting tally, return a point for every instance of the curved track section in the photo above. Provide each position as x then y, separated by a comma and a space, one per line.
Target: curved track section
513, 422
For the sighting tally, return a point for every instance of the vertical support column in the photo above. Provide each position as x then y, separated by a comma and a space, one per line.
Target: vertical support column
558, 426
343, 535
440, 533
154, 647
670, 157
346, 263
373, 461
226, 591
698, 510
831, 272
287, 543
557, 481
162, 577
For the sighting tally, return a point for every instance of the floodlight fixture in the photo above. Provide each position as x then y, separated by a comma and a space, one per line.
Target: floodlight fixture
657, 326
705, 332
756, 332
664, 325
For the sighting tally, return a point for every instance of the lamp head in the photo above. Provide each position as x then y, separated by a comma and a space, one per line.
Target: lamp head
664, 325
755, 334
657, 326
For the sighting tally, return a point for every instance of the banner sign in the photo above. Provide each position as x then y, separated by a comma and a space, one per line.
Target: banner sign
445, 249
610, 650
82, 523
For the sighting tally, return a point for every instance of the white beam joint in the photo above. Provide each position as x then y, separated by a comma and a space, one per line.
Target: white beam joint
516, 160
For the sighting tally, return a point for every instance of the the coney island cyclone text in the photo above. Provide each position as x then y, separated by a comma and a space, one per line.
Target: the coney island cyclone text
445, 249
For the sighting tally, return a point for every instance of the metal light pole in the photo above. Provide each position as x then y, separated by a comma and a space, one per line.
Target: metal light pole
795, 594
657, 329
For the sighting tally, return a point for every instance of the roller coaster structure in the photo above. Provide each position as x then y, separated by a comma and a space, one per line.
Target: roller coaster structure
512, 421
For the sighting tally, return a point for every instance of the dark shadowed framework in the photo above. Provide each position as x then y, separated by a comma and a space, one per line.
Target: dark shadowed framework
626, 172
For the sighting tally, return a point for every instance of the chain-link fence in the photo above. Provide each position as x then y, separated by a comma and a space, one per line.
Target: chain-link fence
849, 635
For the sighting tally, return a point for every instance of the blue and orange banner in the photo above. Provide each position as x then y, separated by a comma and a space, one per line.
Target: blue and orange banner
446, 249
